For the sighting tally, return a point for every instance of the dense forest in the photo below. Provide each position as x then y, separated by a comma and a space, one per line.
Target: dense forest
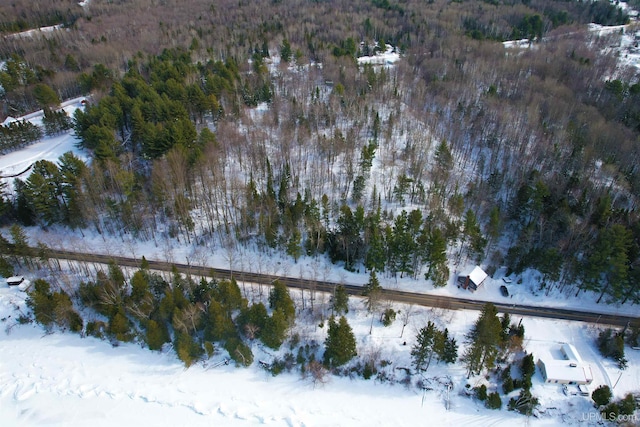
256, 125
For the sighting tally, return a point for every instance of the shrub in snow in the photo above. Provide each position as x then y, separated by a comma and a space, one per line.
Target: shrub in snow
602, 395
494, 401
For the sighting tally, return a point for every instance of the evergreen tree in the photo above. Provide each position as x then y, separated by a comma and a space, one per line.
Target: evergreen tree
340, 345
293, 245
187, 349
228, 294
6, 269
402, 245
46, 96
607, 268
252, 320
285, 51
445, 347
120, 327
373, 293
340, 300
471, 230
484, 341
438, 270
423, 350
218, 323
239, 351
494, 401
55, 122
279, 299
525, 403
156, 335
376, 256
275, 330
43, 191
20, 243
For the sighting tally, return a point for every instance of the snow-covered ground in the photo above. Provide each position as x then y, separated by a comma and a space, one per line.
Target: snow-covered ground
63, 379
626, 46
42, 31
46, 149
388, 57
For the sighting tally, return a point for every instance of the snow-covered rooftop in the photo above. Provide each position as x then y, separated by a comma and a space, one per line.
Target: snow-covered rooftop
478, 275
568, 367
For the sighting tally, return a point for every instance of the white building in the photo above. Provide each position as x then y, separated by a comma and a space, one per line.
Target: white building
567, 367
473, 280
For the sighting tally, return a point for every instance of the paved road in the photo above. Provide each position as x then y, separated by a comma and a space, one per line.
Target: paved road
450, 303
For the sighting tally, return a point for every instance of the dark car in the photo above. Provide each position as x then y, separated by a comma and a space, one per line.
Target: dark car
504, 291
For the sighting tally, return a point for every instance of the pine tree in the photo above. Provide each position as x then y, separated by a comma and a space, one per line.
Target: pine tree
340, 345
285, 51
607, 267
340, 300
55, 122
438, 270
423, 350
445, 347
156, 335
527, 368
494, 401
218, 323
484, 340
46, 96
279, 299
373, 293
293, 245
275, 330
187, 349
20, 243
471, 230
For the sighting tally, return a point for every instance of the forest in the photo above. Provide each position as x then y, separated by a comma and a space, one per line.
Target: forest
256, 125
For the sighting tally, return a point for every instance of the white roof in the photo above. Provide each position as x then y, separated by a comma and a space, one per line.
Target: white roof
565, 370
571, 353
571, 368
477, 275
8, 121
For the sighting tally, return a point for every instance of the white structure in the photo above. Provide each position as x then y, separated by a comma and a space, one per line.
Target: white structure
474, 279
14, 280
569, 368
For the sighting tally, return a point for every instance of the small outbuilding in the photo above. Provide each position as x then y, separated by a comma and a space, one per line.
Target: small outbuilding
566, 367
473, 280
14, 280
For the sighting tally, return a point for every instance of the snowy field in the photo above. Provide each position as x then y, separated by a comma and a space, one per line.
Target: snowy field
47, 149
63, 379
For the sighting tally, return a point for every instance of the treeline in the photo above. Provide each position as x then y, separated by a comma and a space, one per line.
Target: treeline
157, 105
21, 15
18, 134
196, 318
96, 33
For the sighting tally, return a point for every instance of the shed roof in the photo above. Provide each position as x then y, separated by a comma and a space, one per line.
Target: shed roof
477, 275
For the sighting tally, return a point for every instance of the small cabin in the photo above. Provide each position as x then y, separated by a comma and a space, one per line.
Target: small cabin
473, 280
14, 280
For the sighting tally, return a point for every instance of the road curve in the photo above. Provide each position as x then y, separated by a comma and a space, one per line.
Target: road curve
450, 303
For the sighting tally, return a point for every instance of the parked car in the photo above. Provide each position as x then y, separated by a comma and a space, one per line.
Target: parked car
504, 291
